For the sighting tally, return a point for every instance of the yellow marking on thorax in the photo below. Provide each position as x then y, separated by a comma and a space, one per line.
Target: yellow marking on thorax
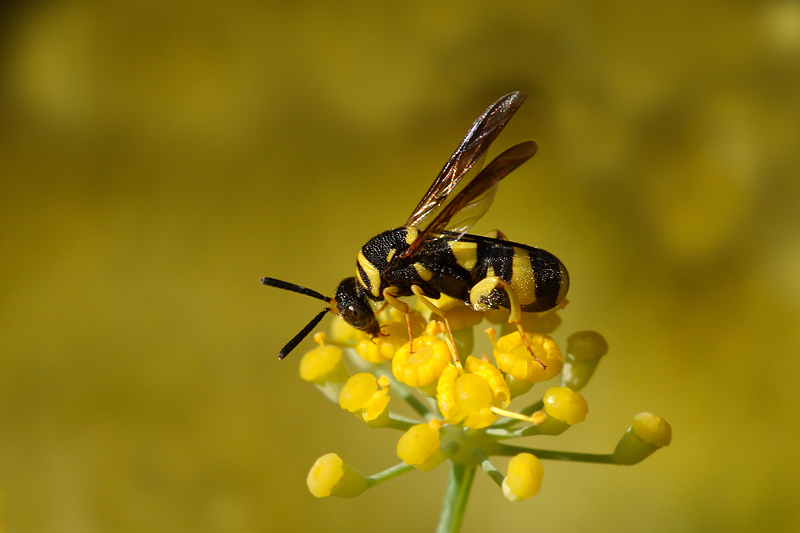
423, 272
360, 279
411, 234
523, 280
374, 277
390, 255
466, 253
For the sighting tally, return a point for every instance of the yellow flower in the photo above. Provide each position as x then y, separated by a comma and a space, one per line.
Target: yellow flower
424, 366
459, 314
544, 322
394, 334
468, 398
323, 364
363, 396
514, 359
330, 476
524, 477
419, 446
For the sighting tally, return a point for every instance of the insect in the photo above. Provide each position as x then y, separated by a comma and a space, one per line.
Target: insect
432, 253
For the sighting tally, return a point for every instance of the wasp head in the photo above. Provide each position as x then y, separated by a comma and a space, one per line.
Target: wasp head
354, 307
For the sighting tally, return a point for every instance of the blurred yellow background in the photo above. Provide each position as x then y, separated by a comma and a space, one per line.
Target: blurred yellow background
158, 158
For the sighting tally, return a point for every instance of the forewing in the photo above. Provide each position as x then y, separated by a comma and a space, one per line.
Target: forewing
470, 153
473, 200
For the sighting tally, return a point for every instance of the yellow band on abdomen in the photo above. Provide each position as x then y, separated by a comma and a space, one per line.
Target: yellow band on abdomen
523, 280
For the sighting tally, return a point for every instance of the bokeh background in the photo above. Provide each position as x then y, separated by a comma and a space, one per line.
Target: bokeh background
158, 157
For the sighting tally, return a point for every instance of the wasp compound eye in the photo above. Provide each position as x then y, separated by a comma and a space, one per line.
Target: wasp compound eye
356, 317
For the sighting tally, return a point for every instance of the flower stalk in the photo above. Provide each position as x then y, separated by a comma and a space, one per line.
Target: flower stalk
456, 495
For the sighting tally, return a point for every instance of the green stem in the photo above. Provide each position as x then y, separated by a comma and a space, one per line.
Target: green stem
455, 497
505, 449
499, 433
389, 473
400, 422
488, 467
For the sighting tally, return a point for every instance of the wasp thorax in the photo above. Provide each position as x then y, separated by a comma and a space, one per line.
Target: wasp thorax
354, 308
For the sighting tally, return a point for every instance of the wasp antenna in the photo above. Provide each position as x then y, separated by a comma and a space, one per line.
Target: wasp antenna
285, 285
292, 344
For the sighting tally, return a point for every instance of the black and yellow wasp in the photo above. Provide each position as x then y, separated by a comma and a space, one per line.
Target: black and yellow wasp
432, 254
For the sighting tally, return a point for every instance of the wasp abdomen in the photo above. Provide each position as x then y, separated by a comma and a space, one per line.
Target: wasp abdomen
539, 280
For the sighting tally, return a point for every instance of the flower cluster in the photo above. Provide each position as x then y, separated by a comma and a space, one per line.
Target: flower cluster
463, 400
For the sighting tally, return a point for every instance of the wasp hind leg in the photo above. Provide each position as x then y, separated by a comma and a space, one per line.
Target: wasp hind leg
480, 296
439, 312
496, 234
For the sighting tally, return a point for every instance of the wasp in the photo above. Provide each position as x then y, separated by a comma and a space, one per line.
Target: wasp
432, 254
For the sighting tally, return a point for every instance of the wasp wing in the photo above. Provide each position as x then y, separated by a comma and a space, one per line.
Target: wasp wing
472, 212
473, 200
470, 153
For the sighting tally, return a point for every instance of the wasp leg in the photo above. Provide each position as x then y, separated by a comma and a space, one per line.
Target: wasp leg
479, 298
496, 234
439, 312
390, 297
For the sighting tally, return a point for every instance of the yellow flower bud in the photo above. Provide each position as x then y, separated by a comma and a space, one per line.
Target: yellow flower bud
545, 322
584, 350
341, 331
647, 433
424, 366
363, 396
376, 350
564, 408
323, 364
513, 357
524, 477
586, 345
330, 476
652, 429
392, 315
419, 446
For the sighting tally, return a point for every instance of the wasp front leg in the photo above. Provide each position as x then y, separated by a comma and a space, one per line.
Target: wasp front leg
482, 297
417, 290
390, 296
